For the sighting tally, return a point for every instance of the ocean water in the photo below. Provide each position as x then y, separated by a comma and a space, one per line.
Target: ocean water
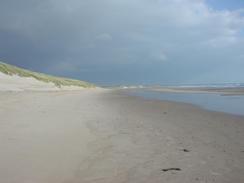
214, 102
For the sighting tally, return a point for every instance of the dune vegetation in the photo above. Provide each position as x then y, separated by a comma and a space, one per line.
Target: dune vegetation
58, 81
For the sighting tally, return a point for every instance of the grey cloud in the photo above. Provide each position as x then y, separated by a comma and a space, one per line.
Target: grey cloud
119, 41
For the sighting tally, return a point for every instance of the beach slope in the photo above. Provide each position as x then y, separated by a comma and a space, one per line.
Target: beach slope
13, 78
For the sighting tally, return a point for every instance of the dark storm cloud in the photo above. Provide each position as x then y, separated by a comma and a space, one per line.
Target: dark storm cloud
123, 41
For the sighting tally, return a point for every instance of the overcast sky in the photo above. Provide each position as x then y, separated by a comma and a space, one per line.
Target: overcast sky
126, 41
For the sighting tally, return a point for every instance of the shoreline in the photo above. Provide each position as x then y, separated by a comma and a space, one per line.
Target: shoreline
176, 103
101, 136
196, 98
232, 91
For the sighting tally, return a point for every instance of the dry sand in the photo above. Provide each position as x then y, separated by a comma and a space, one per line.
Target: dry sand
100, 136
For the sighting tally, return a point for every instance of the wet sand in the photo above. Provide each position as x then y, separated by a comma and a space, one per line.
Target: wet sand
216, 90
104, 136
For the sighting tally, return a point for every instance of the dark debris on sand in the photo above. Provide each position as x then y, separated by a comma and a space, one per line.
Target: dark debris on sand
171, 169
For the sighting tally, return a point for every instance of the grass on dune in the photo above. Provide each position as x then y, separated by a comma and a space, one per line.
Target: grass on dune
58, 81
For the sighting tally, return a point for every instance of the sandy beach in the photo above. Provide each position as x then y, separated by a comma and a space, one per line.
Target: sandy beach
121, 91
103, 136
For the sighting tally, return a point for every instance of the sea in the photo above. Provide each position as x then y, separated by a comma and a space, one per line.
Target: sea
233, 104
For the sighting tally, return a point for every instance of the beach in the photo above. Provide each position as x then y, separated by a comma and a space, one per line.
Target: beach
101, 136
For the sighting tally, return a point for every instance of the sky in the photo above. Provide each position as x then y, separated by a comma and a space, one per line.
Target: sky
113, 42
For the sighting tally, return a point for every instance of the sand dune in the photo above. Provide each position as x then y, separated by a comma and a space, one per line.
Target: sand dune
17, 83
14, 78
